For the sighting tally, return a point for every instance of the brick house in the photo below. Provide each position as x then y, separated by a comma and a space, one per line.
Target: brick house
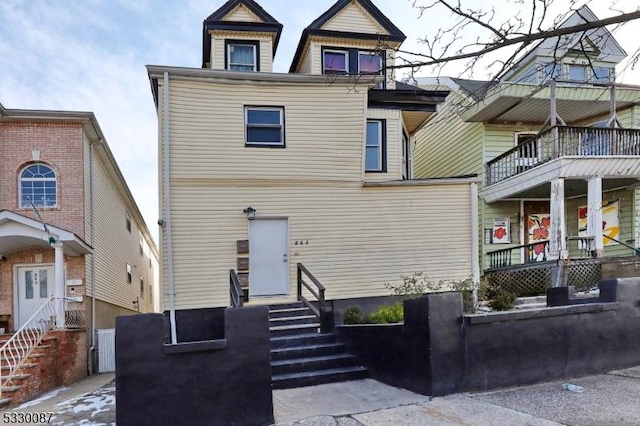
74, 249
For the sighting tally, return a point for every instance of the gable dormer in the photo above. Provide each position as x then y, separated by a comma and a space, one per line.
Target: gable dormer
582, 57
240, 36
352, 37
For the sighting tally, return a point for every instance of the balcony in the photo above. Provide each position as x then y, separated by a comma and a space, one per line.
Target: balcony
563, 141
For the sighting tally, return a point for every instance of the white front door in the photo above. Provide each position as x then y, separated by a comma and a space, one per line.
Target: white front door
35, 285
268, 257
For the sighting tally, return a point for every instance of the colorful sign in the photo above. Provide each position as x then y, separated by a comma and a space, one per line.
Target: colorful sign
538, 226
610, 221
501, 231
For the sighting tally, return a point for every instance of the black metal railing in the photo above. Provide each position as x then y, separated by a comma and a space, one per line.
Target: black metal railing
317, 290
635, 249
560, 141
535, 252
235, 290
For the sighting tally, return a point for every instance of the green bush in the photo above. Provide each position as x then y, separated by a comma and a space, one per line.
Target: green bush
502, 300
353, 315
387, 314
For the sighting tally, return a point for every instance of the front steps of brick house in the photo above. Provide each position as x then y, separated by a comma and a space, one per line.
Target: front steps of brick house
301, 355
33, 376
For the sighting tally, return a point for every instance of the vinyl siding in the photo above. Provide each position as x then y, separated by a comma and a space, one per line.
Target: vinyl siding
354, 19
394, 145
241, 14
447, 146
501, 138
218, 48
359, 238
324, 131
502, 209
114, 246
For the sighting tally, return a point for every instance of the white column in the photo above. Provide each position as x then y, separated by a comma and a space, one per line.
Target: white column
594, 214
558, 231
59, 284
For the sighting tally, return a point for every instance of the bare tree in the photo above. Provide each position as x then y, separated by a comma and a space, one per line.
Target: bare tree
478, 38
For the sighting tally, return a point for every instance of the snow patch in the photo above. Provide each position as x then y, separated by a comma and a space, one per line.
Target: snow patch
40, 399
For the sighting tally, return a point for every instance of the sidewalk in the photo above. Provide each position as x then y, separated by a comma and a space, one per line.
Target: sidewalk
610, 398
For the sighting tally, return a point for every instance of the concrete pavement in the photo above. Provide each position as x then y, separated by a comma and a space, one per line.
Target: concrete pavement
610, 398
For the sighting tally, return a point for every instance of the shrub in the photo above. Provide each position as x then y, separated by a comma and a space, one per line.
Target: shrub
353, 315
502, 300
387, 314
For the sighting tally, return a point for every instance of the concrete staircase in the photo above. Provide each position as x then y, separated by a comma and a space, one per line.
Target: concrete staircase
301, 355
27, 382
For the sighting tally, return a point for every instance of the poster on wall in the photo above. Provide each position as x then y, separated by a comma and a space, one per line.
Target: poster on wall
610, 221
538, 231
501, 231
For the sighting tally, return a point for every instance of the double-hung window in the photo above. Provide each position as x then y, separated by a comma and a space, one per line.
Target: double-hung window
242, 55
375, 146
370, 63
335, 62
264, 126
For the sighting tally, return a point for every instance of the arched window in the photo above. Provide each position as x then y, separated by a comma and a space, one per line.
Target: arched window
38, 186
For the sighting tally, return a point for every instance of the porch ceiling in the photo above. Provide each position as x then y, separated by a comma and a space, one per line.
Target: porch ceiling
519, 103
616, 172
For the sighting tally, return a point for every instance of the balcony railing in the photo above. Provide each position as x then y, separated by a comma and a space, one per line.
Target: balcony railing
560, 141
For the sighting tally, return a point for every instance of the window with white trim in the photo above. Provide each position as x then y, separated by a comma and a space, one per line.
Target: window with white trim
264, 126
375, 146
129, 273
242, 55
38, 187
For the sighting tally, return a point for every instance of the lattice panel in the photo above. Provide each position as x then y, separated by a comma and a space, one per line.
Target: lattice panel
584, 274
522, 282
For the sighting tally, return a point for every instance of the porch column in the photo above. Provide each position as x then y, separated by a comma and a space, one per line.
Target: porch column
594, 214
558, 231
59, 284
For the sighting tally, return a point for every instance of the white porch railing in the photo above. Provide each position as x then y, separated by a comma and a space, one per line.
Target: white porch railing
18, 348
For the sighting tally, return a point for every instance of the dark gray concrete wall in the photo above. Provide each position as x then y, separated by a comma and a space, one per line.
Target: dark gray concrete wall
194, 383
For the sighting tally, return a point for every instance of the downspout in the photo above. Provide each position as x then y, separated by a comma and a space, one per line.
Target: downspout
475, 245
167, 211
92, 347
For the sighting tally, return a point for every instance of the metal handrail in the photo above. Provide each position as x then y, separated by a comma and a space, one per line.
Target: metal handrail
235, 290
18, 348
635, 249
319, 294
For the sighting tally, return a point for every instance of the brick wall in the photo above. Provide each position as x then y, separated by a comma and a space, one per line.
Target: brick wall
623, 267
61, 147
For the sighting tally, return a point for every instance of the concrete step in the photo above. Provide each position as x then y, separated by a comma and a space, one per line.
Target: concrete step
281, 306
4, 402
288, 330
307, 351
301, 319
531, 300
523, 306
318, 363
288, 312
312, 378
298, 340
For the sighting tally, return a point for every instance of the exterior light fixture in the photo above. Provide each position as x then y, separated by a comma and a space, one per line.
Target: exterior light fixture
251, 213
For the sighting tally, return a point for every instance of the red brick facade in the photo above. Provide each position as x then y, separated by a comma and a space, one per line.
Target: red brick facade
60, 146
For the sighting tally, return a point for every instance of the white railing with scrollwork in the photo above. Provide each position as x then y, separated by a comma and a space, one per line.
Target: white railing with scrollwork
17, 349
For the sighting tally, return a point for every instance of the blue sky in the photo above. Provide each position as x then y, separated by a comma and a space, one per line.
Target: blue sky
90, 55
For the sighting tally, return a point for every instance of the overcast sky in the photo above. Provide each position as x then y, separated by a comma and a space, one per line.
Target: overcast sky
90, 55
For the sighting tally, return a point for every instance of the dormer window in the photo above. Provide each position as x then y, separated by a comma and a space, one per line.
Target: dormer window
335, 62
601, 75
242, 55
577, 73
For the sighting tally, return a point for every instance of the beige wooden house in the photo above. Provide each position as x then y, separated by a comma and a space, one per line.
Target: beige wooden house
556, 143
263, 171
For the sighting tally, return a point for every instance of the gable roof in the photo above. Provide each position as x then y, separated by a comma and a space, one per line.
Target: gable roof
315, 28
602, 42
216, 21
477, 89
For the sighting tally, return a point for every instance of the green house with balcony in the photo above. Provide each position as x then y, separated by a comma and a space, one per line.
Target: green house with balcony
556, 143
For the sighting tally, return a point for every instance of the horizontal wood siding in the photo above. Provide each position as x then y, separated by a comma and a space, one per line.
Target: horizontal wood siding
447, 146
218, 48
324, 126
359, 238
354, 19
394, 145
